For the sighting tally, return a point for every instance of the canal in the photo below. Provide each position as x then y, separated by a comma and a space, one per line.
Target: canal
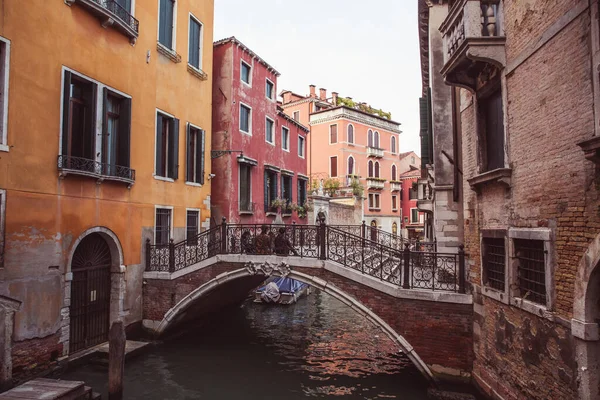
316, 348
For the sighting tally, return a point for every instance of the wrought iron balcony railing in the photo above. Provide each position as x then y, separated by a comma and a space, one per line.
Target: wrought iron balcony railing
101, 171
112, 13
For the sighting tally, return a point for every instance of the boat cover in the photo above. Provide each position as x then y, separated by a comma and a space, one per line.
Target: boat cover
286, 285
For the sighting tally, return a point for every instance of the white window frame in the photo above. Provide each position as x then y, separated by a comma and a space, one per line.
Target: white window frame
396, 206
6, 67
172, 50
196, 184
353, 165
336, 166
272, 131
374, 196
353, 134
201, 41
249, 119
286, 143
377, 136
186, 219
548, 237
411, 215
267, 80
239, 191
249, 84
301, 145
393, 145
392, 173
294, 115
337, 133
156, 207
157, 177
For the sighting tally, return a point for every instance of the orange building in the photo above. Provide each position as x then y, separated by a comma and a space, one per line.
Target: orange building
347, 143
105, 109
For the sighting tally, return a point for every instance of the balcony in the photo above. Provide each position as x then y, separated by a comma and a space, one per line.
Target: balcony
375, 183
395, 186
374, 152
112, 14
94, 169
425, 195
473, 40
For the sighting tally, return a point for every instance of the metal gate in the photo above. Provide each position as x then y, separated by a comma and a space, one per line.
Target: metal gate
90, 293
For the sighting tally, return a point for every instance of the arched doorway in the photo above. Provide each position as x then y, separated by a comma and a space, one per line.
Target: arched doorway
374, 230
90, 293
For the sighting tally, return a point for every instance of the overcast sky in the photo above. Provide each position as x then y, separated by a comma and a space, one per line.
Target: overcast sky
365, 50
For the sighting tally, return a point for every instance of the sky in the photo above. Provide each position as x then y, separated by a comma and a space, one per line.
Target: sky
365, 50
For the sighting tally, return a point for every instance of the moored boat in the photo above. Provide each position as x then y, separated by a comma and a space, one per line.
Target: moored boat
281, 290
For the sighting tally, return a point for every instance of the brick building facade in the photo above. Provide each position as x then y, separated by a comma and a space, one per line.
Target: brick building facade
518, 83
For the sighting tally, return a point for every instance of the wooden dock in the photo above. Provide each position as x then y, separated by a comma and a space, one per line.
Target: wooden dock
50, 389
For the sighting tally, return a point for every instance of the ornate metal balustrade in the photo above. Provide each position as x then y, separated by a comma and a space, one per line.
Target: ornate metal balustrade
409, 267
101, 171
111, 13
121, 13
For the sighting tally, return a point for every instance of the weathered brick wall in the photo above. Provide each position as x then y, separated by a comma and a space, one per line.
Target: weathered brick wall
34, 356
549, 110
441, 333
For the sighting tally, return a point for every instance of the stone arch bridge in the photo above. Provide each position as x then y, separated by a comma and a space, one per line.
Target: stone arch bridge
415, 297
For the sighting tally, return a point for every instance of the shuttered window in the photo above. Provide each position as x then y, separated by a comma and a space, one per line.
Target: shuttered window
286, 188
332, 134
4, 72
370, 169
245, 187
195, 140
376, 169
394, 203
333, 166
370, 138
79, 116
493, 122
414, 215
166, 22
393, 172
116, 135
195, 43
350, 134
245, 118
270, 186
192, 223
301, 191
167, 146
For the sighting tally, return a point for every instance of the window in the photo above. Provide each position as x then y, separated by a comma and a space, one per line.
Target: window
300, 146
245, 188
246, 73
401, 194
494, 262
414, 216
412, 160
531, 271
116, 132
245, 119
406, 220
270, 90
4, 73
394, 203
492, 134
269, 135
166, 23
393, 172
162, 226
192, 223
370, 167
394, 229
412, 194
393, 145
270, 188
79, 136
194, 169
374, 201
167, 146
296, 115
376, 140
370, 138
285, 138
376, 169
286, 191
332, 134
2, 224
333, 166
350, 134
301, 191
350, 165
195, 43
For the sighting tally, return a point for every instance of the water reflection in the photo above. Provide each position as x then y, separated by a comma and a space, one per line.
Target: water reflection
317, 348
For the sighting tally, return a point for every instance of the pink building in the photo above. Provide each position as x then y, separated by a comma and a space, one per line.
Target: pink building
259, 153
412, 219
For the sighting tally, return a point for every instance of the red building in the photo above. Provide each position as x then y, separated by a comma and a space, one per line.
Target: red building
260, 152
412, 219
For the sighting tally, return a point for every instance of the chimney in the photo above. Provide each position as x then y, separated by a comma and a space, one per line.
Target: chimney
312, 90
287, 97
323, 94
334, 96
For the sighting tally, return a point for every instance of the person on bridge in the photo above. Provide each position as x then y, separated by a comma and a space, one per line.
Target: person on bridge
283, 246
263, 241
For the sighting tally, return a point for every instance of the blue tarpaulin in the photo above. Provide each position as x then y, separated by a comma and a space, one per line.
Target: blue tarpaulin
286, 285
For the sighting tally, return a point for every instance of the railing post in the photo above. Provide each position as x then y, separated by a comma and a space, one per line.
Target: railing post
148, 256
223, 235
406, 266
363, 229
461, 269
171, 255
294, 234
322, 243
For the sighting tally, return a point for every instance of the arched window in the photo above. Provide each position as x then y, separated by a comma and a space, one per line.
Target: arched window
393, 172
370, 138
350, 134
393, 146
395, 229
376, 142
370, 169
350, 165
376, 169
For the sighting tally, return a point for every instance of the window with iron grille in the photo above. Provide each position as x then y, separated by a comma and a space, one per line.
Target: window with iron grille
531, 269
494, 262
193, 220
162, 229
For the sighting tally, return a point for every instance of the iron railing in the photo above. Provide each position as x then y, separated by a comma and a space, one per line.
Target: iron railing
85, 166
405, 268
120, 12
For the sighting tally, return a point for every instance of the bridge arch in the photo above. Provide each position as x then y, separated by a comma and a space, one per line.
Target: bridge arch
171, 316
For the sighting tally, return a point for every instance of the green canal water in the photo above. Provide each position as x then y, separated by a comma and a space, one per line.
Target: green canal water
316, 348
